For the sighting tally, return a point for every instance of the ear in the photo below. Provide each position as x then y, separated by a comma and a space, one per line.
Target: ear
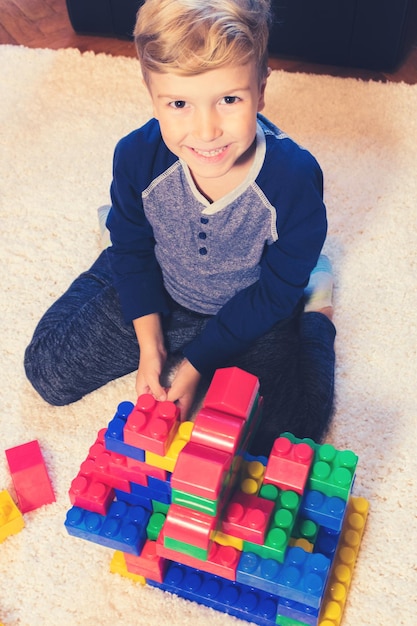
261, 100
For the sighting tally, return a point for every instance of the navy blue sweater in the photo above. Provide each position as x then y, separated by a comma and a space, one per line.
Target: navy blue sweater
244, 259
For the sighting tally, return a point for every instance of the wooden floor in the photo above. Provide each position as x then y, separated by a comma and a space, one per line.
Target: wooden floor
45, 24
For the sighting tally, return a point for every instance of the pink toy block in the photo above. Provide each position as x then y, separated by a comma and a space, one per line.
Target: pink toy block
148, 564
201, 471
232, 391
188, 526
289, 465
152, 425
30, 477
247, 517
90, 494
221, 561
217, 430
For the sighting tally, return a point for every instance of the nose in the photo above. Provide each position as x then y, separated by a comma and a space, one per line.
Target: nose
207, 125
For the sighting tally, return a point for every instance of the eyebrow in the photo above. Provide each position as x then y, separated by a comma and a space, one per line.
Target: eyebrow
229, 92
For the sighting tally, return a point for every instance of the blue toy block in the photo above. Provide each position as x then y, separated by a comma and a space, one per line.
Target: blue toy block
123, 528
298, 611
114, 435
324, 510
150, 492
229, 597
302, 577
326, 542
134, 499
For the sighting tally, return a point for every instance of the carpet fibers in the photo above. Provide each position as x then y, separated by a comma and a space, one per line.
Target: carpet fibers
61, 114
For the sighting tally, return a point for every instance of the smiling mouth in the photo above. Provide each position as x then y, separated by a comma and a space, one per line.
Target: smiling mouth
209, 153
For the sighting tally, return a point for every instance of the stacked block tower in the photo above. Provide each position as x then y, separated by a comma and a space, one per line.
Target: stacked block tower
187, 509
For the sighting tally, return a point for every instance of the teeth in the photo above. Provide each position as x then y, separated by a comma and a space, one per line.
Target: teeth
209, 153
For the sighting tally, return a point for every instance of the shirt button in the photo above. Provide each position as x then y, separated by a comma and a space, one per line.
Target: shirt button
202, 235
202, 251
204, 220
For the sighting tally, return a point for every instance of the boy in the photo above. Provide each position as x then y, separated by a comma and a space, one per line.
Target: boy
217, 222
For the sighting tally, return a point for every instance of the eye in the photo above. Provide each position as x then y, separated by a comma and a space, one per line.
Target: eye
177, 104
230, 99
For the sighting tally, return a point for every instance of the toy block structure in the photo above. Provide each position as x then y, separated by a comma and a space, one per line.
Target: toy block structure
11, 519
188, 510
30, 477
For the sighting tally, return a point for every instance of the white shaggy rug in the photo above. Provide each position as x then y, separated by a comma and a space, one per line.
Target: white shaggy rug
61, 115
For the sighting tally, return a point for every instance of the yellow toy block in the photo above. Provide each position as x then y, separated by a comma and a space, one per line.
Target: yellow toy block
11, 519
228, 540
118, 566
342, 569
168, 461
252, 477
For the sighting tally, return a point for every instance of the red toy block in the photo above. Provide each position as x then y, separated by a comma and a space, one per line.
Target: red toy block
30, 477
289, 465
247, 517
218, 430
188, 526
232, 391
221, 561
151, 425
90, 494
148, 564
201, 471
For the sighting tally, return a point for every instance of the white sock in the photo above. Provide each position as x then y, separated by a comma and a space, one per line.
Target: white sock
102, 213
319, 291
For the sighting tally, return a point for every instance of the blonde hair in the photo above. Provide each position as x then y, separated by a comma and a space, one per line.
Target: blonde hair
189, 37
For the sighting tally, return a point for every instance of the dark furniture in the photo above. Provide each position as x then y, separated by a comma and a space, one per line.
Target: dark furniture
371, 34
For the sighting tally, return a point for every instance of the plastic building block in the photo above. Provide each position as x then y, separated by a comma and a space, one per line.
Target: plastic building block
220, 560
118, 566
189, 527
342, 569
247, 517
114, 435
232, 391
333, 471
296, 611
11, 519
169, 461
201, 471
302, 577
124, 528
30, 476
90, 494
280, 529
197, 503
289, 465
326, 511
217, 430
252, 475
229, 597
151, 425
155, 524
148, 564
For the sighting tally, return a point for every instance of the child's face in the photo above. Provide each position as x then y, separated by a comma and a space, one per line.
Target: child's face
209, 120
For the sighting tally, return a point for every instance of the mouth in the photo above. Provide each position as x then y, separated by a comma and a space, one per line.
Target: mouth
209, 153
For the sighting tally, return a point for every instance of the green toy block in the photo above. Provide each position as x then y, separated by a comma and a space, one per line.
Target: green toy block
282, 620
154, 527
333, 471
281, 527
186, 548
197, 503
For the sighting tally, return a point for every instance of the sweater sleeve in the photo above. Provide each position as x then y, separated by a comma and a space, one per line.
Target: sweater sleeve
136, 273
285, 269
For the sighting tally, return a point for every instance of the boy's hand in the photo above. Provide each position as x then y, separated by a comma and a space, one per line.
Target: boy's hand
149, 373
183, 388
152, 355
